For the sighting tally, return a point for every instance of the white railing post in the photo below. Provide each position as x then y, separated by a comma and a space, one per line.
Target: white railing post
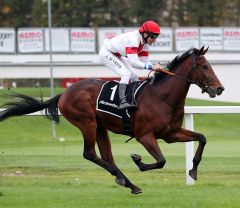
189, 148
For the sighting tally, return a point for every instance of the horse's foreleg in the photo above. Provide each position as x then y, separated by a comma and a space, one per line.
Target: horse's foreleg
198, 155
184, 135
151, 145
104, 146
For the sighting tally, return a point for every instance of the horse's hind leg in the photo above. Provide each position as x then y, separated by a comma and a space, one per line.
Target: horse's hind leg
89, 153
106, 154
82, 115
88, 128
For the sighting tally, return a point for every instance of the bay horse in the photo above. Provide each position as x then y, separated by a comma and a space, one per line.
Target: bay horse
159, 113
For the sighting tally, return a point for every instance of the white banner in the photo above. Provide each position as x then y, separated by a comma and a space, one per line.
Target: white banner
83, 40
231, 39
129, 29
30, 40
60, 40
7, 40
212, 37
164, 42
107, 33
186, 38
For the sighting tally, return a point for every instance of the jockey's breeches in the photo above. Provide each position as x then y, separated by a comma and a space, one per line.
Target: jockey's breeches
119, 65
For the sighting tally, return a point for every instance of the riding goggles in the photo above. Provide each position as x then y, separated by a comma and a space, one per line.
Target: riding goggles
153, 35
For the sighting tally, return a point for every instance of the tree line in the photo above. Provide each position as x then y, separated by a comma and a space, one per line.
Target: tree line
103, 13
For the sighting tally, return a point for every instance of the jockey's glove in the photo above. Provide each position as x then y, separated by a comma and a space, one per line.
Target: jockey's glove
156, 67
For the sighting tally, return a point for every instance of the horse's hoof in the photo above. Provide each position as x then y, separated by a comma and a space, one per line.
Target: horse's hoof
136, 190
120, 182
193, 174
136, 158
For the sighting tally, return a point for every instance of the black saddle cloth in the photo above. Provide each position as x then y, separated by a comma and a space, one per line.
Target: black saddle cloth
108, 100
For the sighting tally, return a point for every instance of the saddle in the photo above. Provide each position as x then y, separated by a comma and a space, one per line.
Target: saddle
108, 101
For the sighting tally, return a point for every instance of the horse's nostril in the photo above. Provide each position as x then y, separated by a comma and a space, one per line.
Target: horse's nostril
220, 90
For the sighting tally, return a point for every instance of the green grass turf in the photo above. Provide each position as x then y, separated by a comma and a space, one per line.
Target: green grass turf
37, 171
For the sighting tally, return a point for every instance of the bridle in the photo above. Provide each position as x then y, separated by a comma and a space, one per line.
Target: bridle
202, 84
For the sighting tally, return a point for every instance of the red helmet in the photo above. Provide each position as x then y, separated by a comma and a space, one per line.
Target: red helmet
150, 27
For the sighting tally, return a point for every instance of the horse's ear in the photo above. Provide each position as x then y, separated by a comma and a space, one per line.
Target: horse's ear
205, 51
200, 52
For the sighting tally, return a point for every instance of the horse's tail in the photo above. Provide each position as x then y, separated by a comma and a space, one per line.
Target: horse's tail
25, 104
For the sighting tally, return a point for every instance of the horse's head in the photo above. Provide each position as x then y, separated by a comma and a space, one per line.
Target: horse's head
203, 74
192, 67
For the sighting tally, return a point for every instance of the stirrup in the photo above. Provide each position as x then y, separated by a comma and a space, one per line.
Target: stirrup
125, 105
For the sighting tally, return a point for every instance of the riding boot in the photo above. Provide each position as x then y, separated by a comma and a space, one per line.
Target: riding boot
122, 97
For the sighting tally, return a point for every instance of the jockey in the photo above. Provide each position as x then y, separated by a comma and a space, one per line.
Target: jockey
127, 52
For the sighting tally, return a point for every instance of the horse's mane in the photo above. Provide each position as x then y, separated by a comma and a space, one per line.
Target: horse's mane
172, 66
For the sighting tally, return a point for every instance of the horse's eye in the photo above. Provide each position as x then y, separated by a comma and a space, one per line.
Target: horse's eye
205, 67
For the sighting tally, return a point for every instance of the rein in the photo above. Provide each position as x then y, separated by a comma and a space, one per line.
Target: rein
175, 75
194, 67
181, 77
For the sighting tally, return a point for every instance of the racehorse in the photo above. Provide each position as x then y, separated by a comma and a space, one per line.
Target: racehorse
159, 113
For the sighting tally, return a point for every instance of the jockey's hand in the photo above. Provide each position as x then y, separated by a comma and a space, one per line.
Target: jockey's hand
165, 68
157, 67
